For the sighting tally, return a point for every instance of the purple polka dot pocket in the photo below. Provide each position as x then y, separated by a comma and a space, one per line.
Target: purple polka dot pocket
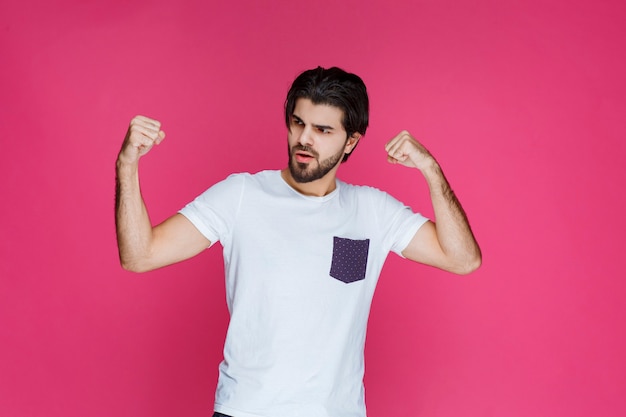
349, 259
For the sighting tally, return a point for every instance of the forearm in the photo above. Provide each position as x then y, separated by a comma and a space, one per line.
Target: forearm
453, 230
133, 226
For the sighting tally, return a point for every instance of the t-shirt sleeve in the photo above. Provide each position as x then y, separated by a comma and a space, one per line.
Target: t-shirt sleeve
214, 211
398, 221
409, 223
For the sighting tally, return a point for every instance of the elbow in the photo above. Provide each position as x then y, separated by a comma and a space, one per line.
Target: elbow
464, 263
137, 261
470, 264
134, 266
131, 267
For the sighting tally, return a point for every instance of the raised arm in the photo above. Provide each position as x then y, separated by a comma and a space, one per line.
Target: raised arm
448, 244
143, 247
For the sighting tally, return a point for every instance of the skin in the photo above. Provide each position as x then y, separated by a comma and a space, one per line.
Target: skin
141, 246
317, 142
449, 244
316, 138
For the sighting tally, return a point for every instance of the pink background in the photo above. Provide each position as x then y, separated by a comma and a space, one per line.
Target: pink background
522, 102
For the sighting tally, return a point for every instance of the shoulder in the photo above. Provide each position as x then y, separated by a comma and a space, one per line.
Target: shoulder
362, 191
228, 186
249, 184
241, 178
262, 180
262, 177
371, 198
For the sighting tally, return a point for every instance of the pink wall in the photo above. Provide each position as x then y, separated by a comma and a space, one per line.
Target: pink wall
522, 103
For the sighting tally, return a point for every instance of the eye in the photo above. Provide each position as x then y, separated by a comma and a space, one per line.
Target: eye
323, 130
296, 121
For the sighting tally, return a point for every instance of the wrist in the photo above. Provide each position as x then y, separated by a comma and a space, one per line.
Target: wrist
430, 167
125, 168
435, 178
122, 163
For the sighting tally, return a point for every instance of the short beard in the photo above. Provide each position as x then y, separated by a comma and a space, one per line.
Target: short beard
302, 173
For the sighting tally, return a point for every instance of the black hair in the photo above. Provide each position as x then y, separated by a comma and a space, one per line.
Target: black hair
334, 87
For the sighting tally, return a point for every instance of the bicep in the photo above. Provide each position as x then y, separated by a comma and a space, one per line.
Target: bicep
175, 240
425, 248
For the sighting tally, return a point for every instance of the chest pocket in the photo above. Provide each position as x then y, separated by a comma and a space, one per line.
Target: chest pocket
349, 259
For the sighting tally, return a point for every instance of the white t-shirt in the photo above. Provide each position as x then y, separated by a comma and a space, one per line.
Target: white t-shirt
300, 276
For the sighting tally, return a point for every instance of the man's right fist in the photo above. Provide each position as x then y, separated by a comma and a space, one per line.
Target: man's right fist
143, 133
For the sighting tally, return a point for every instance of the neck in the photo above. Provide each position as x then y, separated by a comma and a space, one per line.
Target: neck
317, 188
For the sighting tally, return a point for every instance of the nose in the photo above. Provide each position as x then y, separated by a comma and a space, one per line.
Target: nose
306, 136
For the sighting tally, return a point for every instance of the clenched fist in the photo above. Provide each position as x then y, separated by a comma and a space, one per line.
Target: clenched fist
404, 149
143, 133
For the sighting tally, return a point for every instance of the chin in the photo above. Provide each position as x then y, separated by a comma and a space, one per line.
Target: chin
302, 176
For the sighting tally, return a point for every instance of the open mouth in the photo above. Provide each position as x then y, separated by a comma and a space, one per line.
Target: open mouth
303, 156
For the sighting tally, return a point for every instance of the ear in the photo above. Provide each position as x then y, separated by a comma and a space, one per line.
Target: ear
352, 142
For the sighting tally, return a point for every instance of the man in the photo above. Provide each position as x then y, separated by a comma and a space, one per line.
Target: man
303, 251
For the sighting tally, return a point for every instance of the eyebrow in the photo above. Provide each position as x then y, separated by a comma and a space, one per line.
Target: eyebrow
322, 127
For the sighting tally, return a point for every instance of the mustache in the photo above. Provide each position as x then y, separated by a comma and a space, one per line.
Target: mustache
304, 148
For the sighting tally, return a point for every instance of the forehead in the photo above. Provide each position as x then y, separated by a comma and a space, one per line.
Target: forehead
318, 114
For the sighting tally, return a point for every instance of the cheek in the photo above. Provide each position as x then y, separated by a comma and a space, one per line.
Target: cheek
291, 138
327, 152
293, 135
